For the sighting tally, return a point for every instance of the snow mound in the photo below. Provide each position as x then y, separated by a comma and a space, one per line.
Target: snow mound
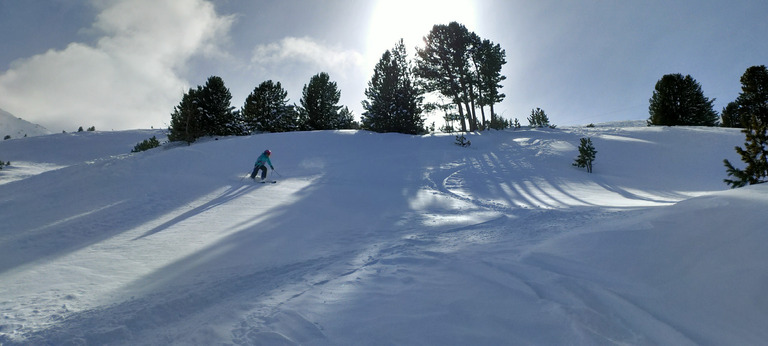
18, 128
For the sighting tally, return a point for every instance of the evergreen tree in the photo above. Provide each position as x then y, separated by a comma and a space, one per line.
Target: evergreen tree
443, 66
754, 154
186, 119
538, 118
753, 99
218, 117
319, 108
587, 154
146, 145
346, 119
678, 100
204, 111
267, 109
731, 117
464, 68
489, 59
752, 103
394, 101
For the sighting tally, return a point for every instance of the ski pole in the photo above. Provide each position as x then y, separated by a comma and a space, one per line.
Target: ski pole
273, 170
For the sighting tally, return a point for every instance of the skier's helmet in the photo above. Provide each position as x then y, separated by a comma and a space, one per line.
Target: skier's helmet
267, 152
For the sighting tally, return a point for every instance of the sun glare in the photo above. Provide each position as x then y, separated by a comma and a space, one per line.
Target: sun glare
411, 20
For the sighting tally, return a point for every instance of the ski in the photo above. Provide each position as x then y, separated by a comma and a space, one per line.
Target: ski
269, 181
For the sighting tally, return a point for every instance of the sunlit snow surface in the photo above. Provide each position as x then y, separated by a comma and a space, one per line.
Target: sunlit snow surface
382, 239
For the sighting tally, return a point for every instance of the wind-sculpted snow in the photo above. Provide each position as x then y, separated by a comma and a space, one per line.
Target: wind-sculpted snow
382, 239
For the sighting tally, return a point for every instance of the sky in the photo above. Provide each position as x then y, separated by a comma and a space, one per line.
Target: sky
124, 64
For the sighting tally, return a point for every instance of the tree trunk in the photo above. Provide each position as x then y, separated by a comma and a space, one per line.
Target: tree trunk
493, 115
463, 119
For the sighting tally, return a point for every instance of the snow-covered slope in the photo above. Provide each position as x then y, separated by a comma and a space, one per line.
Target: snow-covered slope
384, 239
18, 128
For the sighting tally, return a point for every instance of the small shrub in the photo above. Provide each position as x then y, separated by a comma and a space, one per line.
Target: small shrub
499, 123
146, 145
538, 118
586, 155
7, 137
92, 128
463, 141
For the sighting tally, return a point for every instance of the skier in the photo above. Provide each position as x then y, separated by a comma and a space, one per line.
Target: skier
261, 164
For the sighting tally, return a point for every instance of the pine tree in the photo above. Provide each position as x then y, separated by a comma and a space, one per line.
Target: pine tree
218, 117
186, 119
731, 117
394, 101
488, 60
678, 100
752, 102
464, 68
587, 154
204, 111
267, 109
538, 118
319, 108
146, 145
443, 66
346, 119
754, 154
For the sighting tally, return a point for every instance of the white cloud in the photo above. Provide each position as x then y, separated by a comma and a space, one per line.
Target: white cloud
292, 50
128, 79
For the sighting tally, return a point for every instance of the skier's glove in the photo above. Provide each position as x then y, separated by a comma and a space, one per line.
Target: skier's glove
273, 168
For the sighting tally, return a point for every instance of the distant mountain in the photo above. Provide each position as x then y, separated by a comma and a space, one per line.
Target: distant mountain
17, 127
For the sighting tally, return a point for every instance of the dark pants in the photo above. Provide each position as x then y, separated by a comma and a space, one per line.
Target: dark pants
263, 172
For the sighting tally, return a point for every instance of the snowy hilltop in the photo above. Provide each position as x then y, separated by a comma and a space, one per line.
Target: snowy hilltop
13, 127
373, 238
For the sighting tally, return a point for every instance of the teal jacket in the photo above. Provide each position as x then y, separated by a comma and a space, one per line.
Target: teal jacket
263, 160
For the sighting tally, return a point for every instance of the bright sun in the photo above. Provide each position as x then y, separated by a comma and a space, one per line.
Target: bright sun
411, 20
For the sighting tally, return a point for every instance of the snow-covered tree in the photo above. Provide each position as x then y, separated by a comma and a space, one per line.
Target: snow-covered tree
218, 116
319, 108
185, 119
204, 111
267, 109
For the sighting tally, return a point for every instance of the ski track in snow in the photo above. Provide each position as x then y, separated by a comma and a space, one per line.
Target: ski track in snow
468, 227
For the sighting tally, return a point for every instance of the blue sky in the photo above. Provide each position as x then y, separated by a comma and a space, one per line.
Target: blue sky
124, 64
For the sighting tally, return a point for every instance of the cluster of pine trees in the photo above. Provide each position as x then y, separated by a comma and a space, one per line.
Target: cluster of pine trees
678, 100
207, 110
750, 112
463, 68
455, 64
